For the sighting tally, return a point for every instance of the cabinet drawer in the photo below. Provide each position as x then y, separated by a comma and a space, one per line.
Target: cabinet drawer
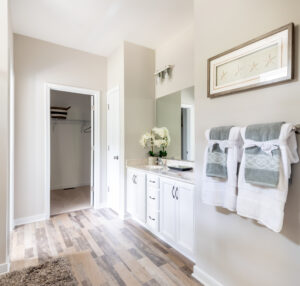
153, 199
153, 220
153, 181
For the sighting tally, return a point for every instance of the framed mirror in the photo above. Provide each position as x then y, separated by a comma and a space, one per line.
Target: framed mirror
175, 111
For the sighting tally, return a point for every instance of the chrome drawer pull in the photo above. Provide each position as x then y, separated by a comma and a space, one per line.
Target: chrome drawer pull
151, 198
151, 181
173, 192
134, 177
151, 218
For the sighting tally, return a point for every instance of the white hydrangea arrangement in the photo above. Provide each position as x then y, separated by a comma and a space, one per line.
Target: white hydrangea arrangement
157, 137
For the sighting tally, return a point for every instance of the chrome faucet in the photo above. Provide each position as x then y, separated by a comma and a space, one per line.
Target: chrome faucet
160, 161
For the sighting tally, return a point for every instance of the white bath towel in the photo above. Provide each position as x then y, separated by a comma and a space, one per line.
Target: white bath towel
218, 191
266, 204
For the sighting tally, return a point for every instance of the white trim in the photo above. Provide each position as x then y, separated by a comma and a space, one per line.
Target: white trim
12, 148
59, 187
97, 150
30, 219
101, 206
184, 105
119, 208
191, 135
97, 141
4, 268
204, 278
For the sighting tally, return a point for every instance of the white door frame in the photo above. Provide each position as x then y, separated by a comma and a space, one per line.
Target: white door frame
97, 147
119, 209
191, 135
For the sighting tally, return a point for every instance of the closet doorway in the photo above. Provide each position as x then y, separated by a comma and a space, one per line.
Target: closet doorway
72, 147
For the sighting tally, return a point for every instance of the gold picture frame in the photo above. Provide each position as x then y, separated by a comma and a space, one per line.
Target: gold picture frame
263, 61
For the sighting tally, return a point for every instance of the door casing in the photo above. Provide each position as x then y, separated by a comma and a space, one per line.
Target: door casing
113, 150
96, 138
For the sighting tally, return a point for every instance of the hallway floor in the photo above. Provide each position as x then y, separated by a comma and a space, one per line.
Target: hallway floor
102, 249
64, 201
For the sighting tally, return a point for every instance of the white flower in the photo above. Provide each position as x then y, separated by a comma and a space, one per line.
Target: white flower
166, 132
164, 143
159, 131
158, 137
161, 143
143, 142
163, 133
158, 142
147, 138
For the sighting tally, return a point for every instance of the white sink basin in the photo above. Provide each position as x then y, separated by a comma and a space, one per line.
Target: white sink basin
154, 167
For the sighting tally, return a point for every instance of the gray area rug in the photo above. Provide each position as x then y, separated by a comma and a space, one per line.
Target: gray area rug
56, 272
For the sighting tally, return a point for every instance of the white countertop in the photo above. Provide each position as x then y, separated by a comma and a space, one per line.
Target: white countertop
184, 176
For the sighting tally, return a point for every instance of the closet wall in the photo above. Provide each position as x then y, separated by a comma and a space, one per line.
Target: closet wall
70, 145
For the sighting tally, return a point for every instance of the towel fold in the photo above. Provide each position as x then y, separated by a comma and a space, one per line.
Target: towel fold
262, 154
216, 165
265, 200
219, 189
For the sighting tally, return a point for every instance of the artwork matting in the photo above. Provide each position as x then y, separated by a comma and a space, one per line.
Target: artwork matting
265, 60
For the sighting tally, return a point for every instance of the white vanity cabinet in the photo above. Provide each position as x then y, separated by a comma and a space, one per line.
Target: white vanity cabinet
163, 205
136, 194
153, 202
177, 213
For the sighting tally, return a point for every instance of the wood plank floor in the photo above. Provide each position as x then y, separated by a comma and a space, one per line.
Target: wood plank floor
102, 250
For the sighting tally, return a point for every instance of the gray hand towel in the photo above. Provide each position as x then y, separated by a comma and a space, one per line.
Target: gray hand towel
261, 168
216, 165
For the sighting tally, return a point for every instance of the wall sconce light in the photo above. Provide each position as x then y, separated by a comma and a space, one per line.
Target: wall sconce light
158, 78
164, 73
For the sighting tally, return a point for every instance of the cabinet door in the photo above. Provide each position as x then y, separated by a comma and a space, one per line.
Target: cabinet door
131, 189
185, 216
140, 193
167, 209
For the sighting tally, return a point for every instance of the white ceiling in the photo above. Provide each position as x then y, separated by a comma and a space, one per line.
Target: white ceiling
99, 26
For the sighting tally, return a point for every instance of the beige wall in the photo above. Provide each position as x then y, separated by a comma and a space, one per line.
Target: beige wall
37, 62
233, 250
115, 68
177, 51
139, 98
5, 48
139, 67
131, 68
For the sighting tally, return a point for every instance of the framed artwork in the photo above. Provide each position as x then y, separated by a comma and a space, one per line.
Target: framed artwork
266, 60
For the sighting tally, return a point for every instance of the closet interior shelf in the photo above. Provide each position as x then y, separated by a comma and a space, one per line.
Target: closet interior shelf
55, 120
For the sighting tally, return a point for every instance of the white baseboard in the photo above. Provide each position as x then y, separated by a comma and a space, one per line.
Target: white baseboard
60, 187
125, 216
4, 268
204, 278
30, 219
100, 206
122, 215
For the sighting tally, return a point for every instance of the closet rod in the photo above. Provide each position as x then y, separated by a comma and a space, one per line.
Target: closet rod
70, 120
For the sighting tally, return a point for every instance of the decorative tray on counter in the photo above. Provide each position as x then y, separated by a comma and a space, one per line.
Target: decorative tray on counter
180, 168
